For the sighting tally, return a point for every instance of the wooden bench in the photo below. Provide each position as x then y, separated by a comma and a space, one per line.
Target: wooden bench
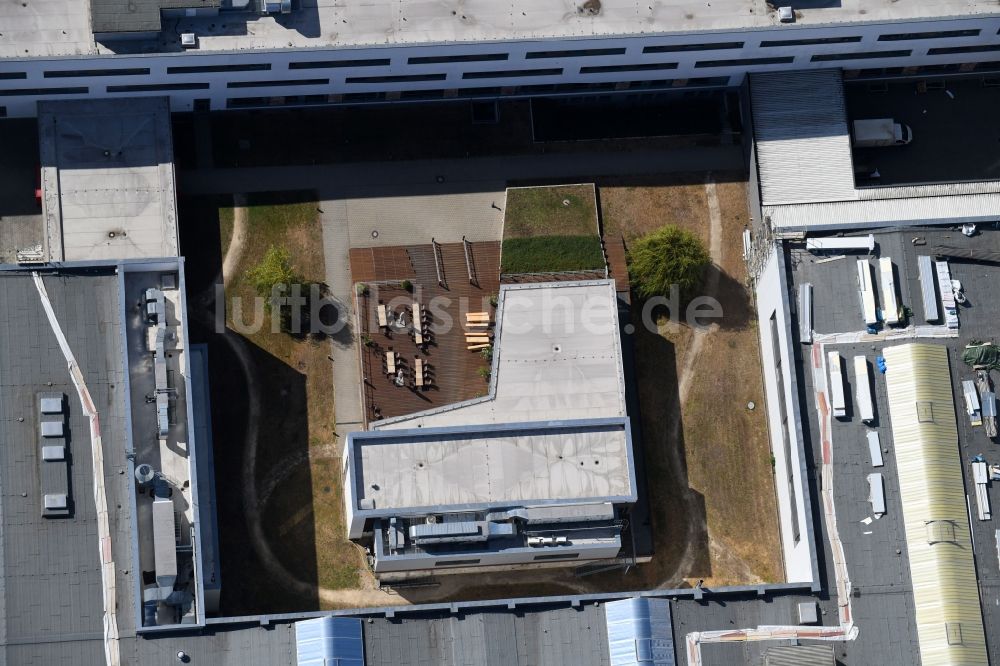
418, 372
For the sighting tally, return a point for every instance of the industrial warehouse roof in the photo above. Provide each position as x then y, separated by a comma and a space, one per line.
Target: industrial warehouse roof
51, 608
806, 171
935, 512
555, 637
803, 146
107, 179
488, 465
556, 354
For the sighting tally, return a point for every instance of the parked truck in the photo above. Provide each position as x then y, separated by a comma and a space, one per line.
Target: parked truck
877, 132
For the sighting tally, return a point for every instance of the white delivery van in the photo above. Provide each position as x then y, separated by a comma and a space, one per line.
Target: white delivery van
881, 132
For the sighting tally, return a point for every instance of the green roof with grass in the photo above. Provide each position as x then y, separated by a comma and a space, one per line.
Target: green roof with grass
551, 230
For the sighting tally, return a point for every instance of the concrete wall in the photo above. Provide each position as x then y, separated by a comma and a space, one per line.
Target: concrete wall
283, 78
777, 357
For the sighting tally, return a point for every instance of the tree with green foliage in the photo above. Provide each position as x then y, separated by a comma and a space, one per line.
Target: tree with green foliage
668, 256
274, 269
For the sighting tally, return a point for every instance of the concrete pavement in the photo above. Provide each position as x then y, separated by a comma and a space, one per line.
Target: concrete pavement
411, 202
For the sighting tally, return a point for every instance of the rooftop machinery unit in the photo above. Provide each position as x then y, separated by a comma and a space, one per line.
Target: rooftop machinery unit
866, 287
927, 290
890, 302
837, 400
863, 389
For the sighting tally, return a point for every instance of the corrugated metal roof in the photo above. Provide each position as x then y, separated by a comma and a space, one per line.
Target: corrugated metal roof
886, 212
925, 436
549, 637
329, 640
640, 632
800, 655
932, 190
803, 145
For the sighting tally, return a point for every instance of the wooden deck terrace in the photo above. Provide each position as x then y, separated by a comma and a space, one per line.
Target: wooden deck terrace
451, 370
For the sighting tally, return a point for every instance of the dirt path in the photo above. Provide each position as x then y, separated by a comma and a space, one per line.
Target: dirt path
235, 250
711, 288
684, 386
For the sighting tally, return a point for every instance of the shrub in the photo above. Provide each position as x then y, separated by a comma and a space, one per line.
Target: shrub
407, 285
274, 269
666, 257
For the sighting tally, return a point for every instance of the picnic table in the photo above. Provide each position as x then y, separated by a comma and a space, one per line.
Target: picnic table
383, 317
418, 370
390, 362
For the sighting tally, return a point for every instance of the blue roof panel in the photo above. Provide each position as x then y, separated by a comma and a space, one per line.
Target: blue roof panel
328, 641
640, 632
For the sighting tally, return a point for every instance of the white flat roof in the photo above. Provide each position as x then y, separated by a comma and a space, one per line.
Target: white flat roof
108, 179
557, 355
62, 27
493, 466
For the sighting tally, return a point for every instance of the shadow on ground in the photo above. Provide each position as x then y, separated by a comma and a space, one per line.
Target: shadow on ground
283, 433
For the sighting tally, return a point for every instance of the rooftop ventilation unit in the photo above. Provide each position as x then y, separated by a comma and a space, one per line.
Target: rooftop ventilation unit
189, 40
786, 14
275, 7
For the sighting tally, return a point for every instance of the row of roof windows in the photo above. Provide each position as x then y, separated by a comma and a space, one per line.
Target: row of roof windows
577, 53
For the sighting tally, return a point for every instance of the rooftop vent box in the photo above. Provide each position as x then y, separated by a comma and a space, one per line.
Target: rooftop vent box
56, 501
53, 453
51, 403
52, 428
189, 40
786, 14
808, 612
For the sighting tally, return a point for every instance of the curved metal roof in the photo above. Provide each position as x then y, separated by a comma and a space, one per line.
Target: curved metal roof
935, 518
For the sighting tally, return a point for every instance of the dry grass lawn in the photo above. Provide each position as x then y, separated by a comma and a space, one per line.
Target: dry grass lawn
725, 446
303, 515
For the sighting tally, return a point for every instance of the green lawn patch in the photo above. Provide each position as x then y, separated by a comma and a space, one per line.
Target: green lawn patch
562, 210
552, 254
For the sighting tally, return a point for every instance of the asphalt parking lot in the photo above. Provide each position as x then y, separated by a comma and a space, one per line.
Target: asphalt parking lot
955, 132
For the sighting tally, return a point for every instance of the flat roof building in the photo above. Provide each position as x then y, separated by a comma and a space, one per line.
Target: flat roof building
108, 189
116, 556
497, 481
808, 175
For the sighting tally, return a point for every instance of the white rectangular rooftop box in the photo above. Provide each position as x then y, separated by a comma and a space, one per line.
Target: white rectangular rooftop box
866, 287
981, 478
164, 542
837, 400
875, 448
890, 303
806, 313
53, 453
52, 428
863, 389
972, 408
55, 501
876, 494
51, 403
947, 295
841, 243
927, 291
